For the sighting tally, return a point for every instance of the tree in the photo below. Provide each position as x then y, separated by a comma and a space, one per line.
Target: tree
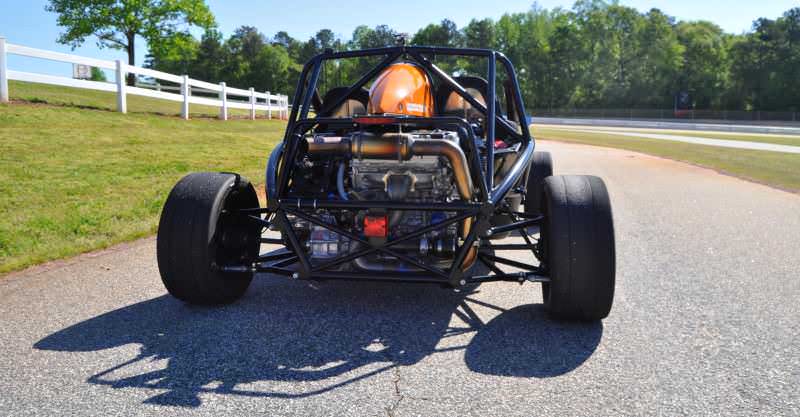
117, 23
765, 62
657, 62
211, 57
705, 62
175, 54
284, 39
325, 39
479, 34
98, 75
365, 37
598, 54
290, 44
243, 49
444, 34
566, 64
273, 65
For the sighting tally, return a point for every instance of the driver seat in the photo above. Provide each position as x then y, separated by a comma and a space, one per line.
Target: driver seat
354, 105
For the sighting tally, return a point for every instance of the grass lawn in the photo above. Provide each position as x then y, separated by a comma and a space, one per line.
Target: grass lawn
791, 140
778, 169
75, 179
103, 100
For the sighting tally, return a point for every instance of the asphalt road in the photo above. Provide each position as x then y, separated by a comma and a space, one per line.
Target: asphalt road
705, 322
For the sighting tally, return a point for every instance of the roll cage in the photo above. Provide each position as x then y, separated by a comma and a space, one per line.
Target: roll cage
490, 196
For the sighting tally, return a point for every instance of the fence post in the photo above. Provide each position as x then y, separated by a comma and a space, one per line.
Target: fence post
252, 104
269, 106
3, 71
186, 91
223, 95
285, 107
122, 100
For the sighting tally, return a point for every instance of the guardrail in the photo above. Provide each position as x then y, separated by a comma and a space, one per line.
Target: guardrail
256, 101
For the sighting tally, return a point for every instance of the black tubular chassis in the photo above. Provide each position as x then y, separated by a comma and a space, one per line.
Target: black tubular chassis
296, 263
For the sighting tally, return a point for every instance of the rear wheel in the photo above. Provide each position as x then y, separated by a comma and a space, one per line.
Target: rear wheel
200, 230
541, 168
578, 250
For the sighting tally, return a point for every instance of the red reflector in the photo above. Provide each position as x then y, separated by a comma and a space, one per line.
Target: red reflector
499, 144
375, 226
374, 120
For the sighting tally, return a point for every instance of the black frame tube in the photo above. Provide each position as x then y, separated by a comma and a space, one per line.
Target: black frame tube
311, 89
490, 126
491, 194
460, 90
383, 247
380, 248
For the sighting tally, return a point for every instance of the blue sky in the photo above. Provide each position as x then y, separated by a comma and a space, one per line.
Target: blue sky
25, 22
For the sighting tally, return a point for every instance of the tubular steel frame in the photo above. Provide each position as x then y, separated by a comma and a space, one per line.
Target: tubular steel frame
489, 200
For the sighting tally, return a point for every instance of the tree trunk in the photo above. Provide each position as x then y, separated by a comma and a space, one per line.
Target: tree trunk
131, 58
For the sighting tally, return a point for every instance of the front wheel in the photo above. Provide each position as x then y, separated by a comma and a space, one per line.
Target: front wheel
578, 248
201, 230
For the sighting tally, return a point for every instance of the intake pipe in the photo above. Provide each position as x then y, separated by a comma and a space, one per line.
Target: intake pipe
402, 147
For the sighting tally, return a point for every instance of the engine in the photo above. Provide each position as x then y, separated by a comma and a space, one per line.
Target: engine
420, 167
423, 179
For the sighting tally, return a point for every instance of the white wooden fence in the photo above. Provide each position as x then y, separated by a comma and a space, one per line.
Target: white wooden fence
254, 101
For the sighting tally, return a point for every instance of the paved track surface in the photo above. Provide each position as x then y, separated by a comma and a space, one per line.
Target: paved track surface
705, 322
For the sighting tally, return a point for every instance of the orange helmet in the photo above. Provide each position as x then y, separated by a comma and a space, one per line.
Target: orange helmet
402, 88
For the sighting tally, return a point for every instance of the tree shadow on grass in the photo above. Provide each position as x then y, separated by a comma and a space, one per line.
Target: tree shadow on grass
315, 339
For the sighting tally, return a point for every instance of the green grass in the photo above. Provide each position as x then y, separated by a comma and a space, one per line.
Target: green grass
102, 100
791, 140
781, 170
74, 180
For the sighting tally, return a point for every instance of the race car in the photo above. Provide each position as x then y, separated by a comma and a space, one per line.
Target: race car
411, 173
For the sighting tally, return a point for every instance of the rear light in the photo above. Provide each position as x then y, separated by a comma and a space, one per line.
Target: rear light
375, 226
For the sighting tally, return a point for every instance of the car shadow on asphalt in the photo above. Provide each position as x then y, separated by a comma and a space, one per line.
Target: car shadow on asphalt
288, 339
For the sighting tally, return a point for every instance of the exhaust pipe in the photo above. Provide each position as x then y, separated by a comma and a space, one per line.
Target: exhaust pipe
401, 147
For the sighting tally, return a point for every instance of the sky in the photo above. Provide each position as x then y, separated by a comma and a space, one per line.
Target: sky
25, 22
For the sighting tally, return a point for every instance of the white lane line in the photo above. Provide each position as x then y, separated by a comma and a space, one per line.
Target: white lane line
739, 144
